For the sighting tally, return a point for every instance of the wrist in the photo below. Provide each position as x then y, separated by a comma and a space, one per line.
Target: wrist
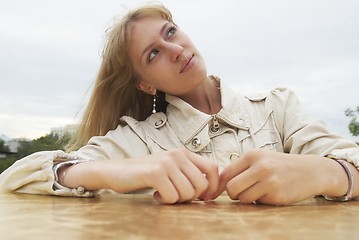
67, 182
349, 179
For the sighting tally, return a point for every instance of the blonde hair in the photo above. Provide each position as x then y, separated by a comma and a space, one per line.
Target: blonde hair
115, 93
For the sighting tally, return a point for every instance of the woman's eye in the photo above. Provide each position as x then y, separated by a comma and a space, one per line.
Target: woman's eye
171, 31
152, 55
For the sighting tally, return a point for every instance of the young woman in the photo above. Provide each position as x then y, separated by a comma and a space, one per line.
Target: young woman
157, 122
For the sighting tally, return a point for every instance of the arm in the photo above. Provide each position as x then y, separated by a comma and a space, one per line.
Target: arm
303, 170
114, 162
177, 175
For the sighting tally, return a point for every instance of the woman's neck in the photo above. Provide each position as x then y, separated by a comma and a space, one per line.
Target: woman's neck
206, 97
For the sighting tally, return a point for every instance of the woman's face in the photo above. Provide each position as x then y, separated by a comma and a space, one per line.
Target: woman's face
164, 57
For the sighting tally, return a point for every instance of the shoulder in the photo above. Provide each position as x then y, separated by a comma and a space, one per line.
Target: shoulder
276, 98
284, 99
279, 92
282, 93
143, 128
154, 130
155, 121
280, 101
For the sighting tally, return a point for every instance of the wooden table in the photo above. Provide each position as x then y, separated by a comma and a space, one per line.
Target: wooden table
124, 216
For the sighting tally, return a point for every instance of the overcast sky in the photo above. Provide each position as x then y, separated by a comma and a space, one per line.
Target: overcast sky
50, 54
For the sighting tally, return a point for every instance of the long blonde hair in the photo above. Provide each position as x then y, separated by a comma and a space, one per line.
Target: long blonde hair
115, 93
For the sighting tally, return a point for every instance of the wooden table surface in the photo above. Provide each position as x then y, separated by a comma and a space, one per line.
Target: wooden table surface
125, 216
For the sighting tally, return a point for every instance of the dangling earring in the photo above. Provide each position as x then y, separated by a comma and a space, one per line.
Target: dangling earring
154, 104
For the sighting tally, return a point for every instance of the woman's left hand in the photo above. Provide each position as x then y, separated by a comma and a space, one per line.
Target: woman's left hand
279, 178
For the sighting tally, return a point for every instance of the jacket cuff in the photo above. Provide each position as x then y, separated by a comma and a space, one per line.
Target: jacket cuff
76, 192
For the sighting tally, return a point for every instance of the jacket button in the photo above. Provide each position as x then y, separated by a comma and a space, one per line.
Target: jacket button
214, 128
158, 123
80, 190
196, 142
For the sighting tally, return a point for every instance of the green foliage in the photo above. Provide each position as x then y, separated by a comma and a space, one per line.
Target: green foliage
3, 147
46, 143
6, 162
354, 124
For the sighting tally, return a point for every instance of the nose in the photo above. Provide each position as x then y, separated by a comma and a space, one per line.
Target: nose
175, 51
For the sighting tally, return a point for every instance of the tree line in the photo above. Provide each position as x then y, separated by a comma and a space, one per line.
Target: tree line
46, 143
54, 142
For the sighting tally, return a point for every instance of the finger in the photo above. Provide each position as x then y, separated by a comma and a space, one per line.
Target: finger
221, 188
197, 178
165, 191
208, 168
253, 193
234, 169
184, 184
198, 181
240, 183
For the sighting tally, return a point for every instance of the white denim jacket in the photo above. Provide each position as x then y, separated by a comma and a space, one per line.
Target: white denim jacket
274, 121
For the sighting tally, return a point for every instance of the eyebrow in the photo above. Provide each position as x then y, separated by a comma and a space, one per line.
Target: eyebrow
161, 33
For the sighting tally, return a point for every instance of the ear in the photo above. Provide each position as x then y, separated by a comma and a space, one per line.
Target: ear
147, 88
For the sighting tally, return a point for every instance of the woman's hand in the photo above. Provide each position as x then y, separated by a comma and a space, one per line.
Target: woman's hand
177, 176
279, 179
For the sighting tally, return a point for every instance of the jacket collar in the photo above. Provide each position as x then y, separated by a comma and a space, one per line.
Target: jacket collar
188, 122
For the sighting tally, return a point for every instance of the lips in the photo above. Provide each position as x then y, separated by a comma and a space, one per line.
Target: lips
187, 64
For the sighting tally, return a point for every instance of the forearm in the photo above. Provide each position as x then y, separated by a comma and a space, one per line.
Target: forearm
119, 175
86, 174
177, 175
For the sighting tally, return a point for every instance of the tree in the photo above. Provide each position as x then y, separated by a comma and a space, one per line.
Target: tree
3, 147
46, 143
354, 124
5, 162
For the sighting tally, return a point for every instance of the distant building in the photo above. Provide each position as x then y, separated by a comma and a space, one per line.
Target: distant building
15, 143
2, 154
69, 129
12, 143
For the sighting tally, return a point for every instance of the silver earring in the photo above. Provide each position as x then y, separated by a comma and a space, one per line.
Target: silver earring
154, 104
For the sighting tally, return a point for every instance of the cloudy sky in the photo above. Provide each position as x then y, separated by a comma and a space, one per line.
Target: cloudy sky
50, 53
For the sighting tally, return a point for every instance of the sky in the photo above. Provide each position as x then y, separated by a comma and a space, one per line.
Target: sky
50, 52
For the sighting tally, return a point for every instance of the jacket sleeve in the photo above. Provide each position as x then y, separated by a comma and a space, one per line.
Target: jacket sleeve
303, 134
34, 174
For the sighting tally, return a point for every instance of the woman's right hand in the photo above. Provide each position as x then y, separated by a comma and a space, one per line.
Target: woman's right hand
177, 176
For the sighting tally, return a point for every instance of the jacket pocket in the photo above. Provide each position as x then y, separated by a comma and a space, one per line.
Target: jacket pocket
267, 136
265, 139
262, 135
